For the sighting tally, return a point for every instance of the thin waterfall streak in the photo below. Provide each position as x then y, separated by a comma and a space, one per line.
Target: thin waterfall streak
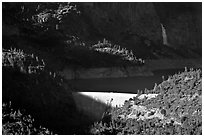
164, 36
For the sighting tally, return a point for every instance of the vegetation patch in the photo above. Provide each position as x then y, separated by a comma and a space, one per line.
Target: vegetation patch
43, 94
50, 29
17, 122
176, 110
107, 47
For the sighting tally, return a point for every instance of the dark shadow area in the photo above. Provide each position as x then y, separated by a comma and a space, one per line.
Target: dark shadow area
54, 108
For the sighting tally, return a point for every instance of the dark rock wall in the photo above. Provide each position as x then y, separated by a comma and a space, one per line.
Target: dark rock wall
131, 23
137, 24
183, 23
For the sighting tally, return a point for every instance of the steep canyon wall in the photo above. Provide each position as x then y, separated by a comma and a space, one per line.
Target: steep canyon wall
138, 25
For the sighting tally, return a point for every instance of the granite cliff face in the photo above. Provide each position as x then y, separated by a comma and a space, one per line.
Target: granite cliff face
183, 23
132, 25
138, 25
125, 22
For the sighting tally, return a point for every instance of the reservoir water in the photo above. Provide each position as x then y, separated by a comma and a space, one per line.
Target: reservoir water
123, 85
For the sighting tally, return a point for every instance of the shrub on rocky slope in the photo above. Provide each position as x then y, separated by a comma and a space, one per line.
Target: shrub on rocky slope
17, 122
40, 27
30, 86
175, 110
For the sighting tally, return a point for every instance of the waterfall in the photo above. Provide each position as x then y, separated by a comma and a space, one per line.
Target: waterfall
164, 36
